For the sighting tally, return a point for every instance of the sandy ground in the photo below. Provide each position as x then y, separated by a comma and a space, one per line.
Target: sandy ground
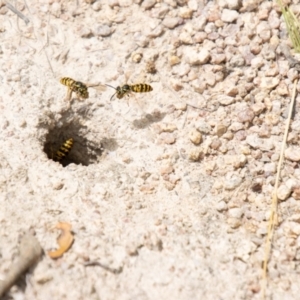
170, 188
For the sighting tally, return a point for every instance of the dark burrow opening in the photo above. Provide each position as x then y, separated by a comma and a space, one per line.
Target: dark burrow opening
68, 144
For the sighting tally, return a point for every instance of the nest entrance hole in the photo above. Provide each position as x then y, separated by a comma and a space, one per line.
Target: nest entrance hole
79, 150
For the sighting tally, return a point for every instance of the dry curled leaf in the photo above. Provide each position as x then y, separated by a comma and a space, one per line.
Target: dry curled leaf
65, 240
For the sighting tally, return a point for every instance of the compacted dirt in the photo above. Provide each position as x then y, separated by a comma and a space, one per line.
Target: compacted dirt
168, 192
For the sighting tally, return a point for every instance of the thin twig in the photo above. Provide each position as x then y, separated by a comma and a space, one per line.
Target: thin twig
17, 12
97, 263
273, 221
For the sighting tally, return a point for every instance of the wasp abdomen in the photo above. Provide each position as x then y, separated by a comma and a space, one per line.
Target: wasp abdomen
141, 88
64, 149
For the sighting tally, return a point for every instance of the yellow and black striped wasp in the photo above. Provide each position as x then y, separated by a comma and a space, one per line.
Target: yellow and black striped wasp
64, 150
121, 91
78, 87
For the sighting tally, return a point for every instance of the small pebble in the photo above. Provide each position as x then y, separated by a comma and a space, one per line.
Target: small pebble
199, 37
185, 13
195, 137
148, 4
56, 9
235, 213
167, 138
292, 153
102, 30
97, 6
221, 206
216, 144
166, 170
229, 15
270, 169
136, 57
173, 60
258, 108
180, 106
140, 39
283, 192
203, 127
232, 181
194, 57
193, 5
195, 154
160, 12
246, 115
170, 22
220, 129
234, 223
225, 100
186, 38
176, 84
269, 82
296, 193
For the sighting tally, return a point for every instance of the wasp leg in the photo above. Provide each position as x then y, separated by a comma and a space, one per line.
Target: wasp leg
69, 95
112, 96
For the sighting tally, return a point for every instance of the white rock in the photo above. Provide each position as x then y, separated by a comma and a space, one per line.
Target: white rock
296, 125
102, 30
185, 13
203, 127
232, 4
292, 183
244, 249
258, 108
292, 153
147, 4
198, 85
140, 39
232, 181
229, 15
194, 57
235, 213
225, 100
157, 31
170, 22
240, 161
257, 143
283, 192
270, 168
182, 69
97, 6
193, 5
221, 206
257, 62
294, 228
236, 126
269, 82
186, 38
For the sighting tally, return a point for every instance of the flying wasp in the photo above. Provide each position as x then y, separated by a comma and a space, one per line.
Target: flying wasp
81, 89
121, 91
64, 149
